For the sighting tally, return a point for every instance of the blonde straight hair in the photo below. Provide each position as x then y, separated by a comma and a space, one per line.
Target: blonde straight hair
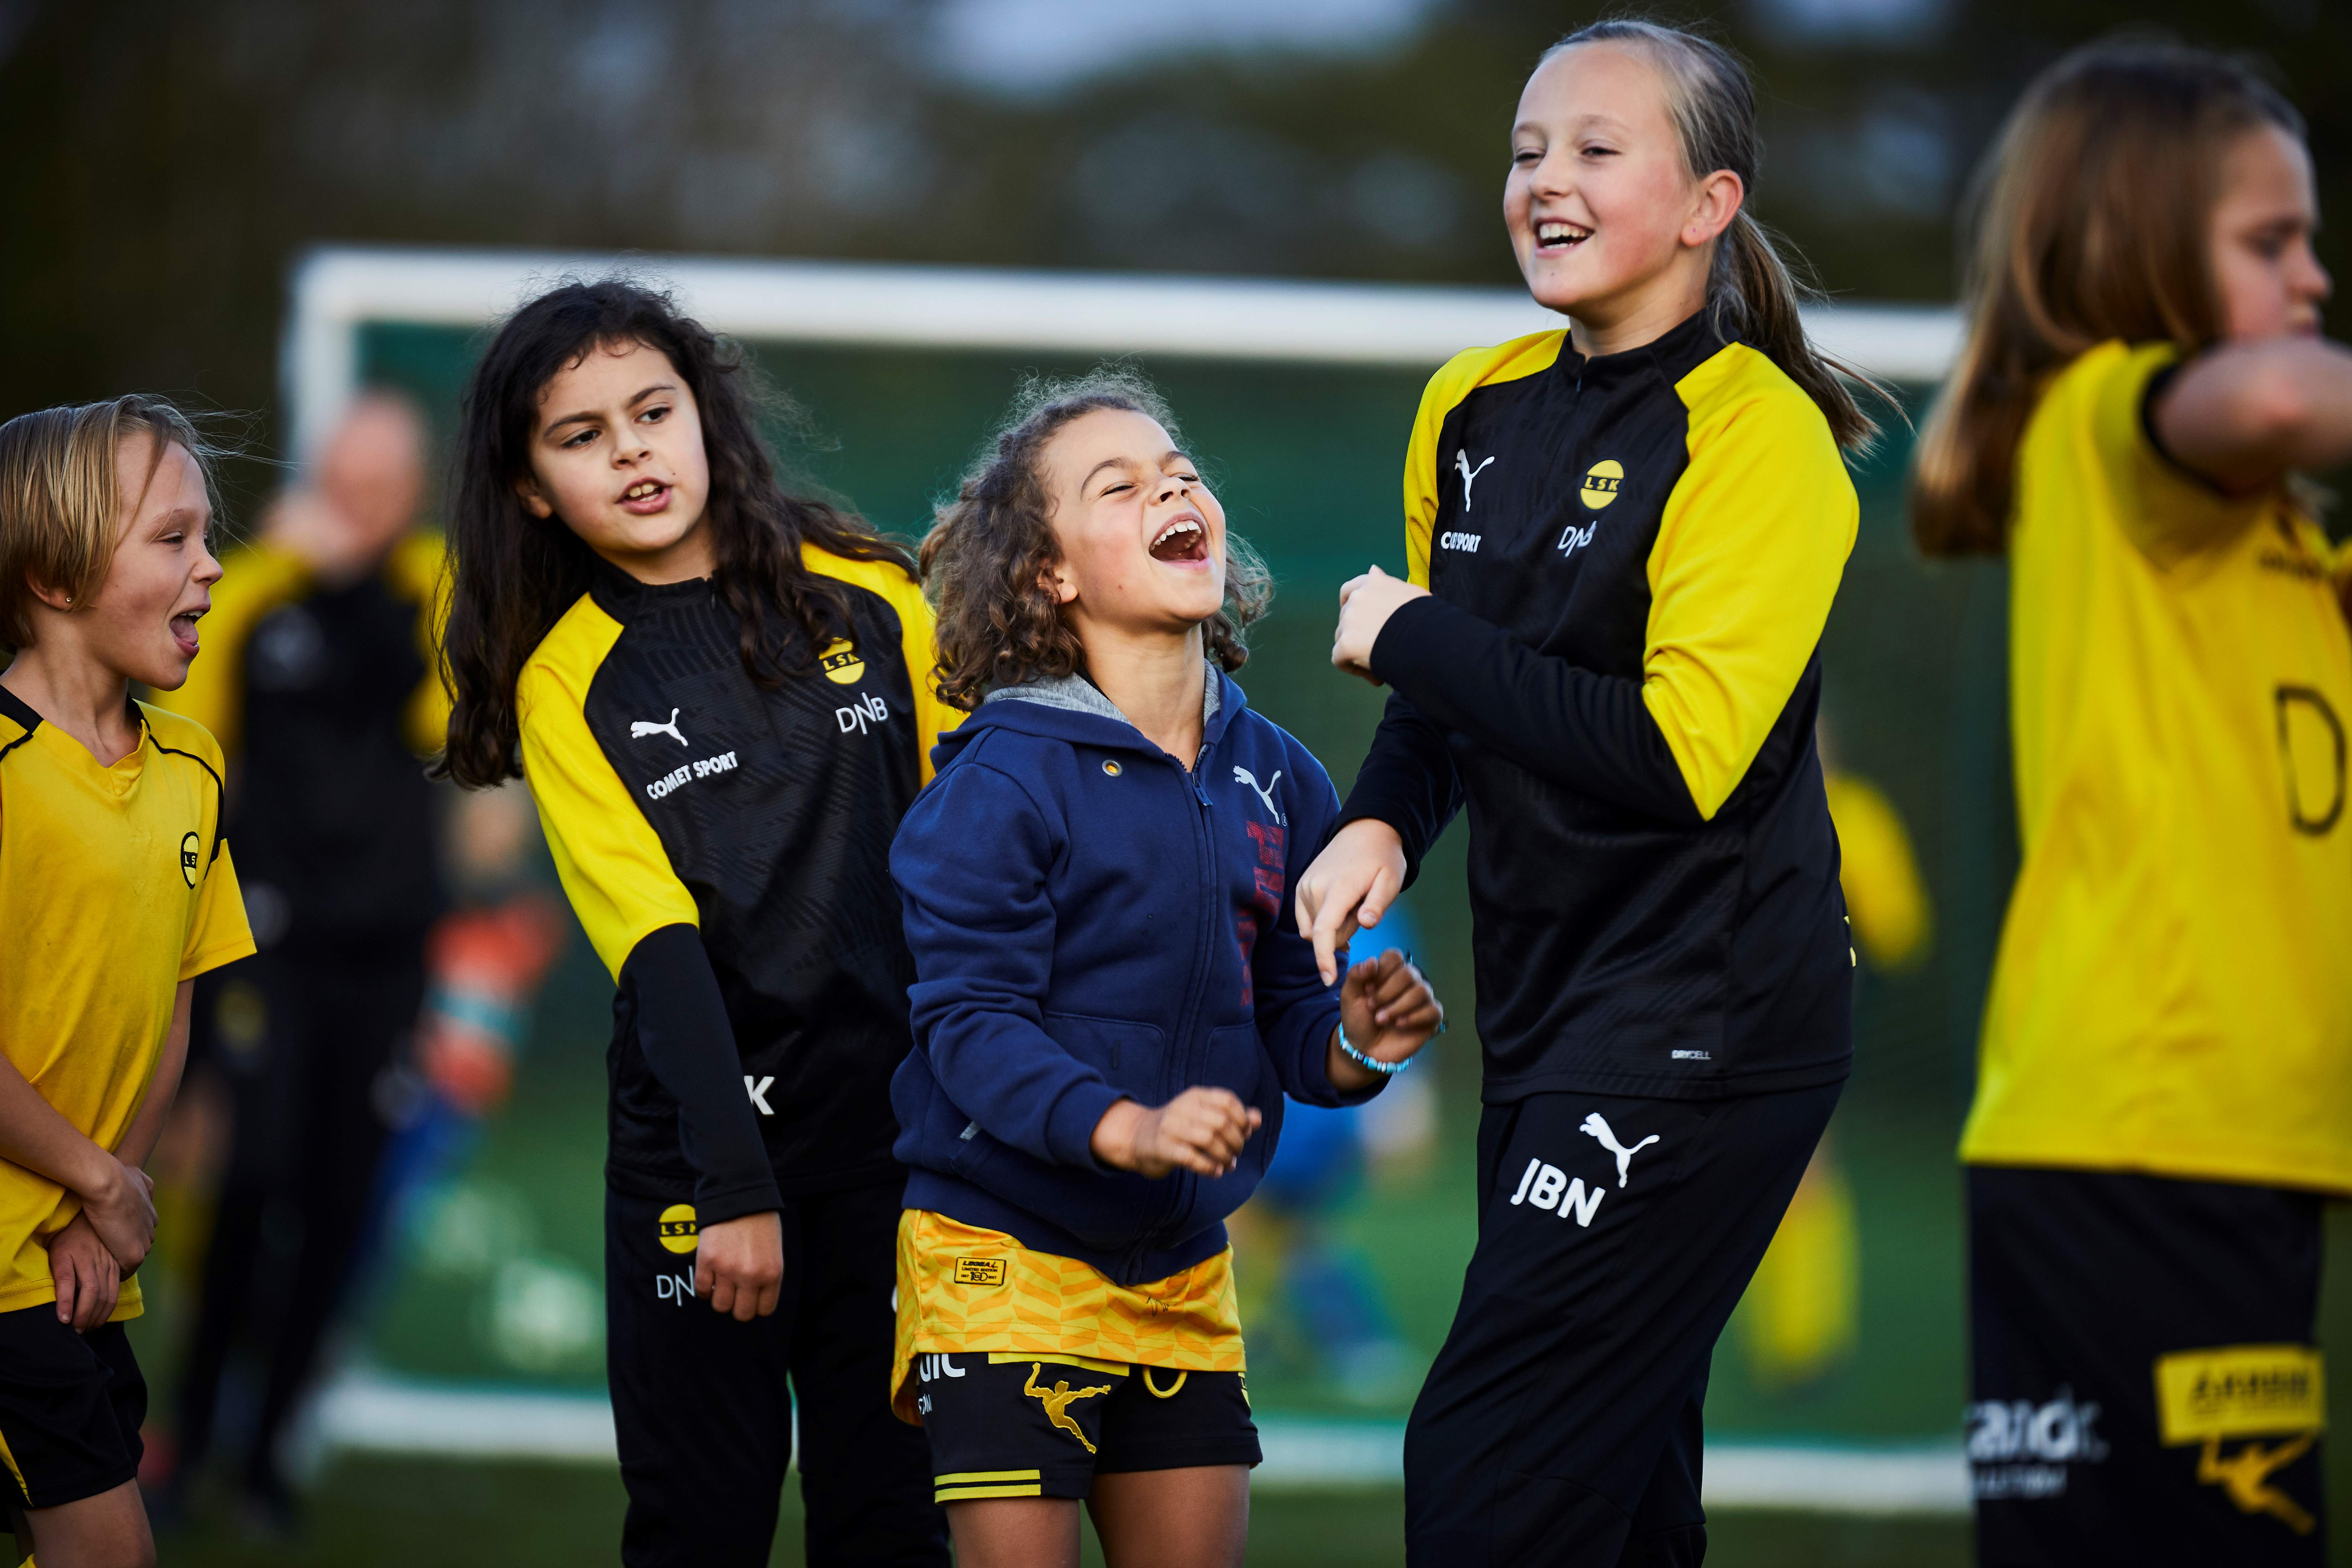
1750, 287
2089, 221
61, 498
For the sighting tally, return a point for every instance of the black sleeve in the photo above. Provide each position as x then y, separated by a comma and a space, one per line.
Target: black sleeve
689, 1047
1407, 781
1591, 733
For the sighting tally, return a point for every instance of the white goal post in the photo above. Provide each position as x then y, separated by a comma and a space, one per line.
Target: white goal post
340, 289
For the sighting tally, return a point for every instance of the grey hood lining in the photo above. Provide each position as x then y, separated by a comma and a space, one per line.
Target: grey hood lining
1079, 695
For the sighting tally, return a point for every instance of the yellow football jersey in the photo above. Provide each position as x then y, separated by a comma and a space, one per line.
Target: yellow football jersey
2173, 990
965, 1290
115, 885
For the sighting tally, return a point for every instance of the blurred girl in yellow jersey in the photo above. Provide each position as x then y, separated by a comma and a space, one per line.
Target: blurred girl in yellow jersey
2165, 1094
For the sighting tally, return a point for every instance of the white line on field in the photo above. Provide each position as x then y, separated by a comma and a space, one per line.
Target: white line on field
368, 1411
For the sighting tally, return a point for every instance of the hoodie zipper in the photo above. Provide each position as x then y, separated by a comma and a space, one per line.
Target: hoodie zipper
1182, 1181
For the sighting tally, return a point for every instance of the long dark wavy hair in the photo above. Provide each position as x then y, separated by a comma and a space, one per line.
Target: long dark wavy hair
986, 559
513, 575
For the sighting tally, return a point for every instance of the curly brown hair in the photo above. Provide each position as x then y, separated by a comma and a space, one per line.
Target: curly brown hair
986, 561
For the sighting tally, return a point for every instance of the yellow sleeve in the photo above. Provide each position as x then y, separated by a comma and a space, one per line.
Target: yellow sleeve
1749, 550
219, 933
917, 644
254, 580
1884, 893
607, 856
2168, 512
417, 571
1456, 380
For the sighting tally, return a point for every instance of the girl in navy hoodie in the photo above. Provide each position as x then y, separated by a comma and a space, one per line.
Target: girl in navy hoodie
1109, 1007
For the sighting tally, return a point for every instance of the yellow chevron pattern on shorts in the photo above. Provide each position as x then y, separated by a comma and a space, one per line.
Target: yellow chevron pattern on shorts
1051, 1308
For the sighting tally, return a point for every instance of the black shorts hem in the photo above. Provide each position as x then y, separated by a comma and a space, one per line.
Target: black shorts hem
1238, 1449
81, 1486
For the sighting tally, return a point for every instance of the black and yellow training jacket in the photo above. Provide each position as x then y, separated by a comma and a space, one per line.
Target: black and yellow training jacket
1630, 559
728, 849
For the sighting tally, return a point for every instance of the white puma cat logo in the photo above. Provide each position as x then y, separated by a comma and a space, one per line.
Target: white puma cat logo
1598, 1127
1243, 776
1462, 461
640, 727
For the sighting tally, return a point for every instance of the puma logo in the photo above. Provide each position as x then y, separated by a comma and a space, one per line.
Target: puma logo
1243, 776
2246, 1478
1596, 1126
1057, 1401
1462, 461
640, 727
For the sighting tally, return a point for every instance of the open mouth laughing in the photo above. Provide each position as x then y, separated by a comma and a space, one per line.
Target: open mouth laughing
1183, 538
1557, 236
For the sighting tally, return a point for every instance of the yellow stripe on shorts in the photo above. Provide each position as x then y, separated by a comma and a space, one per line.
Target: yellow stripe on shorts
1055, 1358
974, 1494
968, 1477
9, 1460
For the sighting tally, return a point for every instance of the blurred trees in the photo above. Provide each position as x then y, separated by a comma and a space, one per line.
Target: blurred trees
168, 159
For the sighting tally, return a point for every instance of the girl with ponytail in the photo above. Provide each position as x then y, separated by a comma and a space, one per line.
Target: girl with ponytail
1622, 539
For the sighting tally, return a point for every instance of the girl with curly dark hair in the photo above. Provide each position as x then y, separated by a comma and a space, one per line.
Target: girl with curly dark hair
719, 694
1107, 1007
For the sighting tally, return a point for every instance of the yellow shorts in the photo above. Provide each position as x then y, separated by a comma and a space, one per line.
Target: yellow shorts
965, 1290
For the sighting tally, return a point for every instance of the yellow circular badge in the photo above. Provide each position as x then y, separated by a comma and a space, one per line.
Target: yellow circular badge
678, 1227
1601, 482
841, 663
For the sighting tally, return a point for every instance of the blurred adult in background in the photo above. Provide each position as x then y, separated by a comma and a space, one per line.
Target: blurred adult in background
321, 690
2165, 1092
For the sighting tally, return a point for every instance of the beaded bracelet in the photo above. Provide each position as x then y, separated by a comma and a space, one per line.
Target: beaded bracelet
1348, 1049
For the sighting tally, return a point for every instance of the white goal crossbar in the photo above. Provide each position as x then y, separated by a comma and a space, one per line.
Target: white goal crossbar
339, 290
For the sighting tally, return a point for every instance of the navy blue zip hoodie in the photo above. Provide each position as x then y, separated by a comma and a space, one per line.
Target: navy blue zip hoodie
1089, 923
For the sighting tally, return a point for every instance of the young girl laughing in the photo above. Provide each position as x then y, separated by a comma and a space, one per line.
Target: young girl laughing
1108, 1008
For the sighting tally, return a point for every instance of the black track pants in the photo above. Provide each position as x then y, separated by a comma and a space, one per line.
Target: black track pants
702, 1408
1561, 1423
